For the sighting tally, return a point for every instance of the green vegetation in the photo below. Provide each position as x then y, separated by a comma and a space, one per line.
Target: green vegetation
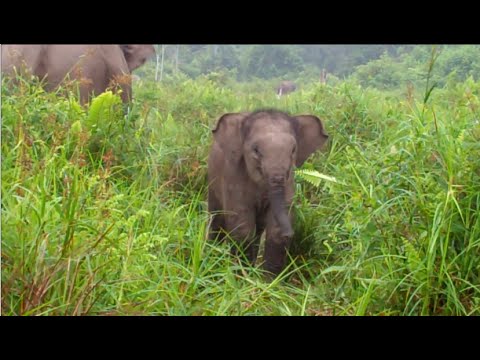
105, 213
379, 66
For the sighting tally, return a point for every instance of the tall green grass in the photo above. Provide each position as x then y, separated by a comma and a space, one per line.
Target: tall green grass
105, 213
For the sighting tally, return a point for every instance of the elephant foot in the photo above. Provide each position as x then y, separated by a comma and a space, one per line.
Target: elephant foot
274, 258
216, 235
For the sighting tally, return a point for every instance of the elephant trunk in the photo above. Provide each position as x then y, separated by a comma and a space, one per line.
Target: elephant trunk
276, 196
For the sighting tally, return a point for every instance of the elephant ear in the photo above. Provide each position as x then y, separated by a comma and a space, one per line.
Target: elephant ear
311, 136
128, 52
136, 55
228, 134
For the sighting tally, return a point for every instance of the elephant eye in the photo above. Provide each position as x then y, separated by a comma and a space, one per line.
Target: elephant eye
294, 149
256, 150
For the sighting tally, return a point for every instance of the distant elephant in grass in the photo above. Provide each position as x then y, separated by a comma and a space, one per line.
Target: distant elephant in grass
251, 179
97, 67
286, 87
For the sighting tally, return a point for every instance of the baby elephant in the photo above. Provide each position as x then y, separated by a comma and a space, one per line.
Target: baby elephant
251, 179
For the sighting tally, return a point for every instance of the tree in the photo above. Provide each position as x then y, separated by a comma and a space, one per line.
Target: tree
159, 57
273, 61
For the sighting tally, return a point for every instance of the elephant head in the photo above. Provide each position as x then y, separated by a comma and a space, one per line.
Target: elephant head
262, 148
137, 55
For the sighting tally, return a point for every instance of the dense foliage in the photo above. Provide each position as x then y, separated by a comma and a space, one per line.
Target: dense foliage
380, 66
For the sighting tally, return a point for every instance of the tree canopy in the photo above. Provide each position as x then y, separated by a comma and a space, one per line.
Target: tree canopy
381, 66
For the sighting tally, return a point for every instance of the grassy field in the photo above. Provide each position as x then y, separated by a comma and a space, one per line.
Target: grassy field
105, 213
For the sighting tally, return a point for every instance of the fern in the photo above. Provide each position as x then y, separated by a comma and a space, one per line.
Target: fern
314, 177
102, 108
415, 263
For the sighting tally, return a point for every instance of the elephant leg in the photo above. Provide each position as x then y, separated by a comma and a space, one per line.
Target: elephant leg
276, 246
251, 248
85, 95
260, 226
218, 219
240, 225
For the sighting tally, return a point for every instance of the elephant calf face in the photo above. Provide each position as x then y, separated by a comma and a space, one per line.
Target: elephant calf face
269, 154
250, 173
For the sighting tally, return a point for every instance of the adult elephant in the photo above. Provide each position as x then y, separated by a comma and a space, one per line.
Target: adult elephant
251, 179
97, 67
286, 87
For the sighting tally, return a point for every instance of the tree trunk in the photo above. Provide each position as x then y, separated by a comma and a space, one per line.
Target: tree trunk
161, 66
157, 66
176, 58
